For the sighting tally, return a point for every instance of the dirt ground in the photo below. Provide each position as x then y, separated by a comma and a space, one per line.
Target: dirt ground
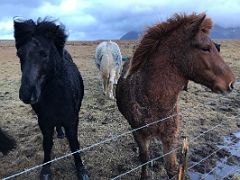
100, 119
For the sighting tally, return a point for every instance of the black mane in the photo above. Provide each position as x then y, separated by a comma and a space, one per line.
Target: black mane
24, 30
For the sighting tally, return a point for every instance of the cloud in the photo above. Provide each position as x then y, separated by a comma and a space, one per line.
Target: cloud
107, 19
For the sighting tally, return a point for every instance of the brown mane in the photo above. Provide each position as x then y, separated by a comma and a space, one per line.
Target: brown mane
154, 36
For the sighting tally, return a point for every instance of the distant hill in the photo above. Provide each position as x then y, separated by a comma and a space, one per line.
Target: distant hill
217, 32
131, 35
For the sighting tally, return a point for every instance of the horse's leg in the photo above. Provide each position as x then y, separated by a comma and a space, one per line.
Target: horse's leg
47, 147
71, 133
143, 144
111, 82
111, 96
60, 133
169, 142
117, 75
104, 84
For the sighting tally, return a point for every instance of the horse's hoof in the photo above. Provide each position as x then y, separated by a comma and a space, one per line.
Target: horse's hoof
82, 174
172, 175
83, 177
45, 174
145, 178
111, 97
60, 136
45, 177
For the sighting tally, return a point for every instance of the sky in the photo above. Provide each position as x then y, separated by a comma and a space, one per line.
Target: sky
111, 19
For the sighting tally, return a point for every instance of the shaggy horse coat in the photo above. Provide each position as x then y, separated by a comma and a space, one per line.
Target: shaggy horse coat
169, 54
51, 83
109, 61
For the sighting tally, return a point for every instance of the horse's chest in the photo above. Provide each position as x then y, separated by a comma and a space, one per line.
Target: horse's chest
55, 104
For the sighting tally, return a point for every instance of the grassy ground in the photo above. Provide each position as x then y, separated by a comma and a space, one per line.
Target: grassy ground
100, 119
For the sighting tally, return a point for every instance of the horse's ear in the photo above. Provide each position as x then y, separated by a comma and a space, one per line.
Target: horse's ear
60, 38
195, 26
206, 25
23, 31
56, 30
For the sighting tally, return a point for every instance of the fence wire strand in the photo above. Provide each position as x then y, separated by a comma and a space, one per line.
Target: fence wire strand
116, 137
91, 146
154, 159
222, 163
219, 149
235, 169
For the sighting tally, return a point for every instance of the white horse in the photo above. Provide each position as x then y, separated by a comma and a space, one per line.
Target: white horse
109, 62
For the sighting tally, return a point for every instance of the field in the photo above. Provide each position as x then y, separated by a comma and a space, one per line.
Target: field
100, 119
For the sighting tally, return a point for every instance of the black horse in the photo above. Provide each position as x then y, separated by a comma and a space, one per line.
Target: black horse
7, 143
51, 83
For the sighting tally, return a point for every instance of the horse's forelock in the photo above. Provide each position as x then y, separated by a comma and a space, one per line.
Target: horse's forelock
50, 30
23, 31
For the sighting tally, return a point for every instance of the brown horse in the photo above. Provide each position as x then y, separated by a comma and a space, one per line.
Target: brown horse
169, 54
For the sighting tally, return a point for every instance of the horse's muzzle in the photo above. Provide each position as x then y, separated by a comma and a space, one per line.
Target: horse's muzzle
28, 95
231, 87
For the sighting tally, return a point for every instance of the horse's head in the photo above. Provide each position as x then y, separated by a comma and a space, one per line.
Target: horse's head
37, 53
205, 65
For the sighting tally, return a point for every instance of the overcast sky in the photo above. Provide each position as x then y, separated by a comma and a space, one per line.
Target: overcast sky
110, 19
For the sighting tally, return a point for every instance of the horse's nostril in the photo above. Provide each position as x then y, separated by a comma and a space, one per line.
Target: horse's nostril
231, 86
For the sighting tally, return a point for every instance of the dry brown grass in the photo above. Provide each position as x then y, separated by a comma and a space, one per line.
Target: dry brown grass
100, 119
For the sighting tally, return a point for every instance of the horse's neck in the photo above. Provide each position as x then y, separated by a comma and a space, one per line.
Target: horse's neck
162, 82
58, 70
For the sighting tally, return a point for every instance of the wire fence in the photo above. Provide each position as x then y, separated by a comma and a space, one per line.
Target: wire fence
159, 157
234, 169
207, 157
91, 146
156, 158
124, 134
222, 163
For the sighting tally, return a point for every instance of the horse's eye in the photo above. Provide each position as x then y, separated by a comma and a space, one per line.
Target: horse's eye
217, 46
206, 49
43, 54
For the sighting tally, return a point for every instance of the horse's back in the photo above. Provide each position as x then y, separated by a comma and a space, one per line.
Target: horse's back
105, 47
117, 56
74, 80
99, 53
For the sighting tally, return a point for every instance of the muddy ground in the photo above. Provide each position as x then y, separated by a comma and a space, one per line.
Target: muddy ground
100, 119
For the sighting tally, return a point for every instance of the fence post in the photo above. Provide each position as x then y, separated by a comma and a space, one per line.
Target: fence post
183, 160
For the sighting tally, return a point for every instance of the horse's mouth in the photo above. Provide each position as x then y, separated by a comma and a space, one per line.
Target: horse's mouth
219, 90
34, 98
30, 98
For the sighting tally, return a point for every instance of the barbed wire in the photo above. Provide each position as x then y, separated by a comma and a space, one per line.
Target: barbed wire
206, 156
116, 137
91, 146
150, 161
219, 149
234, 169
206, 175
154, 159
